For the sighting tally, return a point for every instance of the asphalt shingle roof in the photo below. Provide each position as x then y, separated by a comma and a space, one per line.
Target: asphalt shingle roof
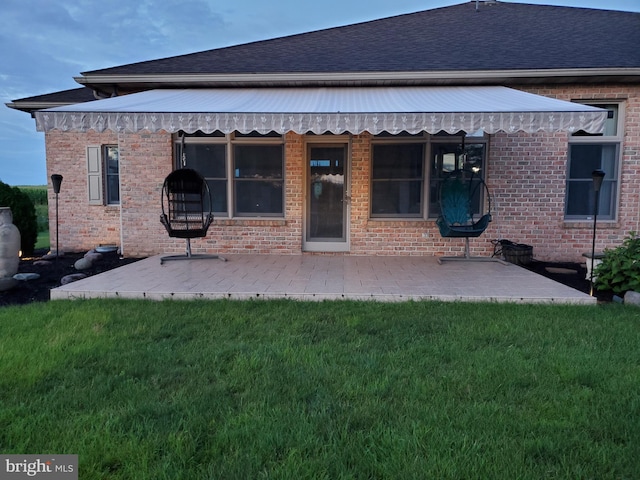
76, 95
501, 36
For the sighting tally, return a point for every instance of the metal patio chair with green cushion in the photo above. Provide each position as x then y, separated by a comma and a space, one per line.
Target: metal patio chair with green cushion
186, 210
463, 198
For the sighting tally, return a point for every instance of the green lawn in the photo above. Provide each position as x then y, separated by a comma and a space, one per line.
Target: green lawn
294, 390
43, 240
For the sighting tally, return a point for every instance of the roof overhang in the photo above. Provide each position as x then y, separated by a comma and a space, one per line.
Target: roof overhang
334, 109
55, 99
110, 83
30, 107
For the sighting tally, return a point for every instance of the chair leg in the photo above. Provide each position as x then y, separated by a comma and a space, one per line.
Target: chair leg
468, 258
189, 256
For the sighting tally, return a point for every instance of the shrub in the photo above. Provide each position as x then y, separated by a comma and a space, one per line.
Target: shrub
24, 215
38, 195
620, 267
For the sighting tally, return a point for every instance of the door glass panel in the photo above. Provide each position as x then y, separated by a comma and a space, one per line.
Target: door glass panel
326, 194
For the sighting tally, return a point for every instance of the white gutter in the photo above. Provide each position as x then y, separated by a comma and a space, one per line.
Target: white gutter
415, 76
35, 105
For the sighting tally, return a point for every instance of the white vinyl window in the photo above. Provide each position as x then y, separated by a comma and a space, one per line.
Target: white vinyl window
589, 152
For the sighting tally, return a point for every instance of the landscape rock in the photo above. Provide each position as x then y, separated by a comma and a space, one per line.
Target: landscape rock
561, 270
107, 249
93, 256
83, 264
72, 278
51, 256
632, 298
24, 277
42, 263
7, 283
50, 274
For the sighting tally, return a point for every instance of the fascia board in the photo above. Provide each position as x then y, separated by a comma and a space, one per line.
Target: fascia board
192, 78
30, 106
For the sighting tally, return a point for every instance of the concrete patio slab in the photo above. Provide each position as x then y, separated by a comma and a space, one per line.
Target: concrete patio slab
320, 277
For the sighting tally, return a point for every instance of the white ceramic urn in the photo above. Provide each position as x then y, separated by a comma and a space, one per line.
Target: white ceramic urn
9, 244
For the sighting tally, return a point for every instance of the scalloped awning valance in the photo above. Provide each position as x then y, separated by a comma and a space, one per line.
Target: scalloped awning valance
328, 109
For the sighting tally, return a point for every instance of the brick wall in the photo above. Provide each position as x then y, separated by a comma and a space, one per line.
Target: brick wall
145, 160
81, 226
526, 174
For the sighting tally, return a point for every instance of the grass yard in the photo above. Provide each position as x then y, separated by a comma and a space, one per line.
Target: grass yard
43, 240
293, 390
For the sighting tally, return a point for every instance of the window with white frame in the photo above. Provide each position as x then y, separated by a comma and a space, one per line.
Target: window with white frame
407, 170
589, 152
103, 175
245, 173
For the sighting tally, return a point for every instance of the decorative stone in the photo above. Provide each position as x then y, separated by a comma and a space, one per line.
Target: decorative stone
7, 283
107, 249
561, 270
24, 277
83, 264
42, 263
74, 277
51, 255
9, 244
632, 298
93, 256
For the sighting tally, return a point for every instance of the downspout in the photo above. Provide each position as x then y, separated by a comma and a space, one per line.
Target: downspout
121, 197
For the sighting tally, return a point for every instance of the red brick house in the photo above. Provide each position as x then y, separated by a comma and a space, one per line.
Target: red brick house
336, 140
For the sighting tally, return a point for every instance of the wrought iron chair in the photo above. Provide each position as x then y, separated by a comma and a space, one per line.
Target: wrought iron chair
186, 210
462, 195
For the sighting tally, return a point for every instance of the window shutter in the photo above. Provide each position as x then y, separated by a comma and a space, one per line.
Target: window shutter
94, 173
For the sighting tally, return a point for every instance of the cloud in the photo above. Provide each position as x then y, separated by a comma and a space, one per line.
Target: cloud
126, 32
45, 43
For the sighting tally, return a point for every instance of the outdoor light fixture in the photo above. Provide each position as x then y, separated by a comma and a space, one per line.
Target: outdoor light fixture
56, 181
597, 176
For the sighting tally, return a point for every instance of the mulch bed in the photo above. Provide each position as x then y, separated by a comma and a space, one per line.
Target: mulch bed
51, 274
571, 274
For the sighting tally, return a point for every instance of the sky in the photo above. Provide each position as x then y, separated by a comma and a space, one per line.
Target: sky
45, 43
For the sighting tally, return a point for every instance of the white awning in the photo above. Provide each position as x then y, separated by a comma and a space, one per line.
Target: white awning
331, 109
